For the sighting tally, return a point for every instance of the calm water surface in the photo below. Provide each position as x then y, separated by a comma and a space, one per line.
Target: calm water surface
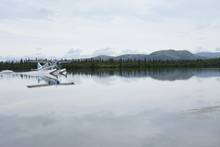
155, 108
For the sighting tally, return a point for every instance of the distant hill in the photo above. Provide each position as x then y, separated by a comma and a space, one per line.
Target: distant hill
158, 55
161, 55
209, 55
131, 57
173, 55
102, 57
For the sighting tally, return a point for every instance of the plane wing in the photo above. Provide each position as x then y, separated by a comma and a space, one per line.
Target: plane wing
47, 85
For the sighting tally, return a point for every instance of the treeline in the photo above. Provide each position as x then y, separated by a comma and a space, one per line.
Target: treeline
94, 64
22, 65
118, 64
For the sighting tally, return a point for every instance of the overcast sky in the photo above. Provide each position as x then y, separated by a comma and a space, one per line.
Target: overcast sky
92, 27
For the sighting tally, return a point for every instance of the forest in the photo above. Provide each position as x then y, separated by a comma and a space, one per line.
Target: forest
116, 64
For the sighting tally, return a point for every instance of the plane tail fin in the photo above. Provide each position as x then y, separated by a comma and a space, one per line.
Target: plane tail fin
39, 66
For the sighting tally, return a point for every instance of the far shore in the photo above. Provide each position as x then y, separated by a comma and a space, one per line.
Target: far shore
114, 64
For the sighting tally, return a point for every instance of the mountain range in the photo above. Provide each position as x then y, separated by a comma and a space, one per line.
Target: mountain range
162, 55
157, 55
209, 54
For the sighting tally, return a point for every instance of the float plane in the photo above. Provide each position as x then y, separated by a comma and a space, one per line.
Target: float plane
49, 73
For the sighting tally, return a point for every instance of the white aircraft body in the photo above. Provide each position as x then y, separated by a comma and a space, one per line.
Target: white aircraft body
47, 66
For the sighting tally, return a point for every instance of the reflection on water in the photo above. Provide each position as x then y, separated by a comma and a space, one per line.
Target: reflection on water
204, 110
170, 74
128, 108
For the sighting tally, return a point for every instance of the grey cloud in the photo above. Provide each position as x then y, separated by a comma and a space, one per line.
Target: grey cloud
149, 11
73, 53
201, 49
199, 11
10, 9
39, 49
122, 24
129, 51
105, 51
78, 53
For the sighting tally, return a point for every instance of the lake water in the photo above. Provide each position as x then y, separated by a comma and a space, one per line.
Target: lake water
155, 108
